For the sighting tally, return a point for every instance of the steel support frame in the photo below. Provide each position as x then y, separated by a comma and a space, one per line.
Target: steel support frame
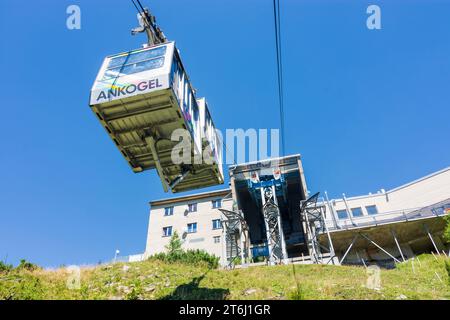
151, 143
379, 247
398, 245
349, 248
274, 230
372, 242
431, 238
234, 228
312, 215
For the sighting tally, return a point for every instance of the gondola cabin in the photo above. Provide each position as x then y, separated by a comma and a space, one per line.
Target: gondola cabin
141, 98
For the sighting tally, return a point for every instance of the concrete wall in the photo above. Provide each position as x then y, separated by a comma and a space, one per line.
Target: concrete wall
202, 239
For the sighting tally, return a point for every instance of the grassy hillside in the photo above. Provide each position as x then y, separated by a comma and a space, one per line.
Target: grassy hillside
160, 280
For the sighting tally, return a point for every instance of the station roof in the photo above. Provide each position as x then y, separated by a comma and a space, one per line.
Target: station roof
249, 166
196, 196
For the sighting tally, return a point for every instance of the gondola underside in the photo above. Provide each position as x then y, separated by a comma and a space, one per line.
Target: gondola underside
141, 126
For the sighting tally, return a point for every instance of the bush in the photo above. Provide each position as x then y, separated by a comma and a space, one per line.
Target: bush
175, 253
189, 257
24, 286
174, 246
25, 265
4, 267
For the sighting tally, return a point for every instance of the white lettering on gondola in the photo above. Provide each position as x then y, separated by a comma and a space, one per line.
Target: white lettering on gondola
116, 91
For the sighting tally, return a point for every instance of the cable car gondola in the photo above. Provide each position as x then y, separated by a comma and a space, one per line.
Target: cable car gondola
141, 97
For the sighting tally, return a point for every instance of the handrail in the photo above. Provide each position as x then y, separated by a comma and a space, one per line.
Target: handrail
389, 216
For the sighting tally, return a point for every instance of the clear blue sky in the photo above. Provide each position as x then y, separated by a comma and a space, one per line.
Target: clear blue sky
366, 109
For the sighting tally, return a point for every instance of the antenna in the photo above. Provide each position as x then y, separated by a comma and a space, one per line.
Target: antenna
147, 24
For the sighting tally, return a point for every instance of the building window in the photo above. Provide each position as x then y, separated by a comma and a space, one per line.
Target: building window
192, 207
371, 210
167, 231
217, 224
217, 204
192, 227
342, 214
168, 211
357, 212
216, 239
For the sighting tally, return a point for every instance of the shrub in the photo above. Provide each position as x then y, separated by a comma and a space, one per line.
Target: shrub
24, 286
175, 253
174, 246
25, 265
189, 257
4, 267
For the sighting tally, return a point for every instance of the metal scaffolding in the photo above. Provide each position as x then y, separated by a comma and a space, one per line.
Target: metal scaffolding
313, 218
272, 219
235, 230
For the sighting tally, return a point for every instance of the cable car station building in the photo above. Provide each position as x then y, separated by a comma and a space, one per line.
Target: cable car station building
267, 216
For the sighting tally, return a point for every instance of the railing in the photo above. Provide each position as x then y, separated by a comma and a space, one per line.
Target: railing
436, 210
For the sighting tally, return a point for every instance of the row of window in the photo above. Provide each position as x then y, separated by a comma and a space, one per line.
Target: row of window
137, 56
192, 207
357, 212
135, 62
191, 227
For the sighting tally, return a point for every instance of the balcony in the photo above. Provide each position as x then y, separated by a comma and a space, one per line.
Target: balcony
436, 210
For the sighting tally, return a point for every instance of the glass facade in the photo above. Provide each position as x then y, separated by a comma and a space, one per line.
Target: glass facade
137, 56
135, 62
134, 68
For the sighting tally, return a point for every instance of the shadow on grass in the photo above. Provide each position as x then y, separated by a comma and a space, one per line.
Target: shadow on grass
192, 291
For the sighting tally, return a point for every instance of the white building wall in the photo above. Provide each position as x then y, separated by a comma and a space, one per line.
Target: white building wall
415, 195
203, 239
424, 192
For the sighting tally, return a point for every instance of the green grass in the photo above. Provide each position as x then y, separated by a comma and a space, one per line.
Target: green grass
155, 279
